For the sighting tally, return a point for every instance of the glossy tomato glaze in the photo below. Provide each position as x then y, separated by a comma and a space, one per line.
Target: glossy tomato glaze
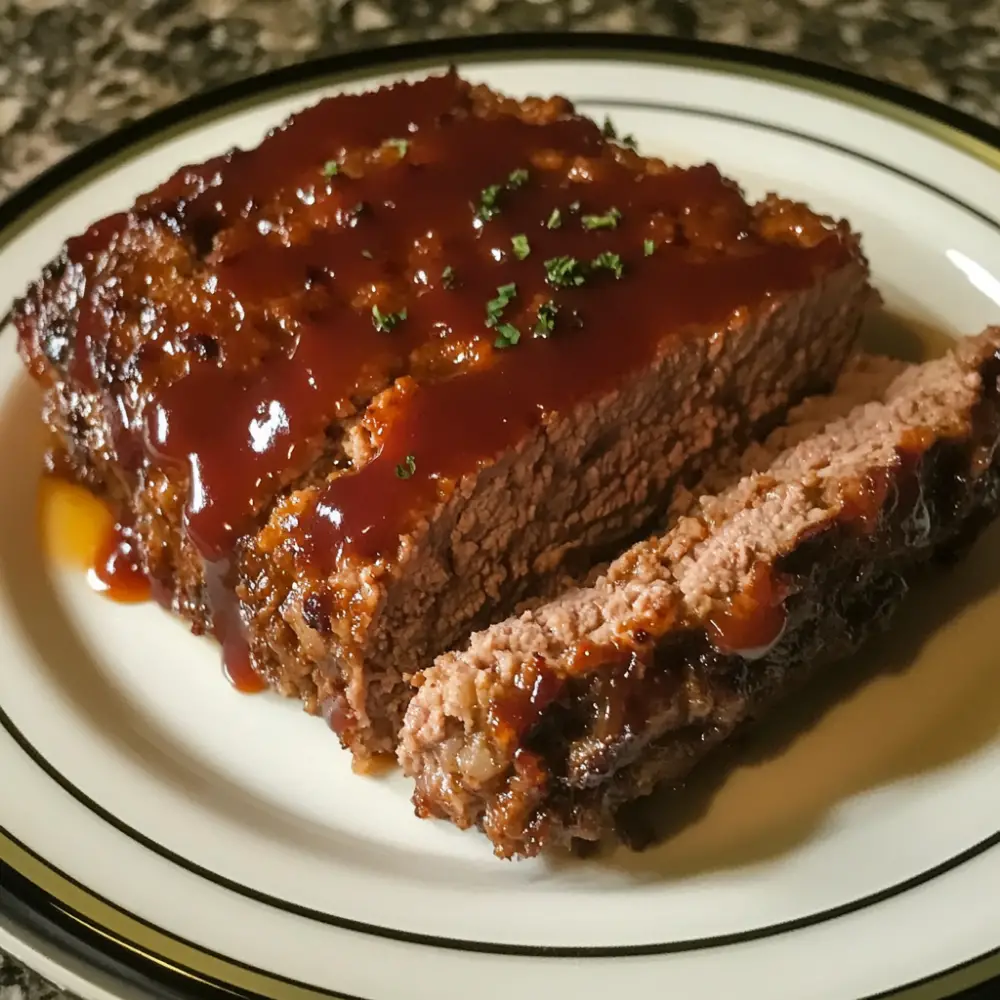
117, 573
117, 570
402, 238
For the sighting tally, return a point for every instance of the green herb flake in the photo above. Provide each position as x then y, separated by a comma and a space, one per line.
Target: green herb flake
563, 272
448, 277
331, 168
520, 246
489, 198
554, 220
406, 468
609, 262
384, 322
488, 206
609, 132
609, 220
400, 145
495, 307
517, 178
546, 319
648, 246
507, 335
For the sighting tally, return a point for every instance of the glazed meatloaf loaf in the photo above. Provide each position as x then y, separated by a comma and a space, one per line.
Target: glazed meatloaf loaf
415, 356
549, 723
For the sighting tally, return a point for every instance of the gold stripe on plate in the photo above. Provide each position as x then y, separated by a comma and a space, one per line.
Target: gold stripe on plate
148, 943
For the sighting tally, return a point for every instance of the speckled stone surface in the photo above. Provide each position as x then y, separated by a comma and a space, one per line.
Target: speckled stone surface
72, 72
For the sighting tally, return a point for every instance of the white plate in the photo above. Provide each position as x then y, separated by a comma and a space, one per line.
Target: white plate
157, 821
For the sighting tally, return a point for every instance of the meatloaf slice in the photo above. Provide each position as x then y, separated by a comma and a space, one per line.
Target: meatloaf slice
410, 359
345, 629
548, 723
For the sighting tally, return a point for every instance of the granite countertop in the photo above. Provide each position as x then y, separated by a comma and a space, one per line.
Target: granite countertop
71, 72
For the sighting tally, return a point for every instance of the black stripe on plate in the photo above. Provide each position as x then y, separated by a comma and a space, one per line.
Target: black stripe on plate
71, 934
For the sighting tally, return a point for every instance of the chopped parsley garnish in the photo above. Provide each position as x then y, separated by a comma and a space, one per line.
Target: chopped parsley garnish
488, 202
331, 168
507, 335
496, 306
555, 219
448, 277
507, 292
489, 198
609, 262
609, 220
400, 145
406, 468
648, 246
517, 178
520, 246
546, 319
367, 254
563, 272
608, 131
384, 322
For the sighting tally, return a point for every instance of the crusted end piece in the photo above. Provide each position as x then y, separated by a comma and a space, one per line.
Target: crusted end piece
549, 723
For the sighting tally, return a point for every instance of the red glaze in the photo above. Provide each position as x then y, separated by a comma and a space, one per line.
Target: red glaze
243, 300
236, 665
754, 620
520, 708
117, 572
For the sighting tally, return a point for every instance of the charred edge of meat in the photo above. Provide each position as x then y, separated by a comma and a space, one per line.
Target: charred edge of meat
633, 715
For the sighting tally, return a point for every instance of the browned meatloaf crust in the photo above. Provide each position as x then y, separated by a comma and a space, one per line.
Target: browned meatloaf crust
419, 354
548, 723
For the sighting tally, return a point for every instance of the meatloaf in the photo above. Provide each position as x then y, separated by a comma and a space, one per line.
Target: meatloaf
419, 354
547, 724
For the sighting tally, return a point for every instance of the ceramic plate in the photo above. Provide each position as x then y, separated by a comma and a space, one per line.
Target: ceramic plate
167, 834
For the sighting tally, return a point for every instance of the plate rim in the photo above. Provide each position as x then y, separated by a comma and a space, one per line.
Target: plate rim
979, 138
81, 936
976, 138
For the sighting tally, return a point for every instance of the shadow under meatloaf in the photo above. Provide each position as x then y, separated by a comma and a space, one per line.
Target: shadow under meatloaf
549, 723
238, 362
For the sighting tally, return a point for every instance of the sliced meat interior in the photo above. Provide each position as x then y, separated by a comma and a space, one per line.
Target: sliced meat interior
545, 725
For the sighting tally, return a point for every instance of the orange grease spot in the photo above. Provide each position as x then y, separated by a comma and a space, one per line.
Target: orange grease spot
72, 523
78, 530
